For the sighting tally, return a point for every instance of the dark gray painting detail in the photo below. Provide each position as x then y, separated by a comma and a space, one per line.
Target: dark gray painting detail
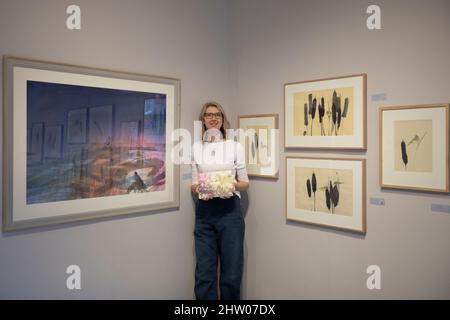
331, 189
415, 141
337, 113
311, 186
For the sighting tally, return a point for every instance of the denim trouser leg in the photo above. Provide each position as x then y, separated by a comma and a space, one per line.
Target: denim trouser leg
231, 247
219, 231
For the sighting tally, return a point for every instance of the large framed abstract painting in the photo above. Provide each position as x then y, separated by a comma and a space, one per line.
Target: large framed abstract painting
327, 192
326, 113
414, 148
259, 136
74, 148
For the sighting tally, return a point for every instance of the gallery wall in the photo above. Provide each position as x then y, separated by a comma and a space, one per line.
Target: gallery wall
277, 42
144, 256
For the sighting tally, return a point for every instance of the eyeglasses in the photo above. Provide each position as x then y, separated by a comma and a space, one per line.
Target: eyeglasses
217, 115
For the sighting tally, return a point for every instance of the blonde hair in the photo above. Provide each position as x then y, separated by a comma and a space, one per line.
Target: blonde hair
225, 123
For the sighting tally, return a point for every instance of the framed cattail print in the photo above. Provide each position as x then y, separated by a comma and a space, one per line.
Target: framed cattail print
327, 191
414, 148
259, 136
326, 113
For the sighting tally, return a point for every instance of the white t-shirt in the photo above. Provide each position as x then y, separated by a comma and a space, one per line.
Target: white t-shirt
227, 155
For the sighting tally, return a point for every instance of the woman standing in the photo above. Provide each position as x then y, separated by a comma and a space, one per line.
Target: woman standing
219, 224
